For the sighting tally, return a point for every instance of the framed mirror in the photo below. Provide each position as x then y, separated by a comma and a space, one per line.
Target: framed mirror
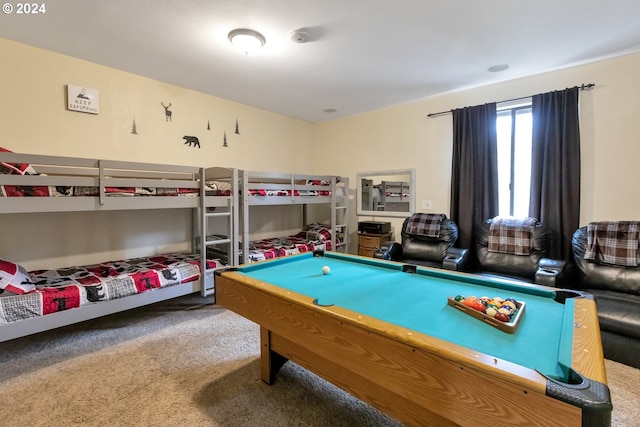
386, 193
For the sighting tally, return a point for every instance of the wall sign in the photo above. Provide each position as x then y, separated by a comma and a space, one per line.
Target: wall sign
82, 99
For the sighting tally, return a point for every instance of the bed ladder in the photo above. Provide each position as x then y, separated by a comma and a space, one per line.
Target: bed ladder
340, 212
230, 213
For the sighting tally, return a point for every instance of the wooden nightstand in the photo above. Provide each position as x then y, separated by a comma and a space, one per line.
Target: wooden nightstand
368, 243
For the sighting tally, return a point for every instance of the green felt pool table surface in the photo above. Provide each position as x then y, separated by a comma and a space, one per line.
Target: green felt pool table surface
419, 302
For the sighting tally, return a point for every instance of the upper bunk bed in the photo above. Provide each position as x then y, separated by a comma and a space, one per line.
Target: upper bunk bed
41, 184
393, 196
273, 188
65, 184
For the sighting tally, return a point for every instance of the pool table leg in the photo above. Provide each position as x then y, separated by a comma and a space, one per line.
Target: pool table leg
270, 361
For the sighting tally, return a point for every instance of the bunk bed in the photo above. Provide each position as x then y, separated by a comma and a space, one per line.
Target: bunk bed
272, 188
394, 196
37, 183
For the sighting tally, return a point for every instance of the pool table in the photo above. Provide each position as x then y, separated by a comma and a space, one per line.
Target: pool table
384, 332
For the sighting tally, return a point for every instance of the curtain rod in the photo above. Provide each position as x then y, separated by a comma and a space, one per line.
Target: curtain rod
581, 87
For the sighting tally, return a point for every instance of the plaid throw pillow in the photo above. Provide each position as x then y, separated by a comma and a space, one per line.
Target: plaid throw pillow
509, 235
425, 224
613, 242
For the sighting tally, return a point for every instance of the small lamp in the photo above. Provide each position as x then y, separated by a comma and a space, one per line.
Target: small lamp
246, 41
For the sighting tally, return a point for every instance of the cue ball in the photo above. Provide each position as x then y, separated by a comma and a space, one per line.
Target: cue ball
326, 269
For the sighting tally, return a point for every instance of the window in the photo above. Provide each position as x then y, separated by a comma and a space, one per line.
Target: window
514, 158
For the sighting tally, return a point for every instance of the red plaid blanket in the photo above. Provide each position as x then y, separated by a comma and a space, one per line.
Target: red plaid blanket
425, 224
613, 242
509, 235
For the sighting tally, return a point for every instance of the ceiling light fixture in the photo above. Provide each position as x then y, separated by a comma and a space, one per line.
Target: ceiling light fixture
246, 41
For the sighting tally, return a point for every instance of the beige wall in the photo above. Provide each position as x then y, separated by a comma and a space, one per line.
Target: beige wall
403, 137
33, 119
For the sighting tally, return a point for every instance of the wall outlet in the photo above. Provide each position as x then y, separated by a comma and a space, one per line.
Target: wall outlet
426, 204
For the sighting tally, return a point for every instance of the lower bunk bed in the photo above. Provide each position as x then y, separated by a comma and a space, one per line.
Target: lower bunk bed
41, 300
311, 238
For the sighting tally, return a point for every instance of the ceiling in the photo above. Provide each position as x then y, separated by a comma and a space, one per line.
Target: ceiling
363, 54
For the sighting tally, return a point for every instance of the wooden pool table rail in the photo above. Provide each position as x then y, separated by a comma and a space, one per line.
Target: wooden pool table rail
413, 377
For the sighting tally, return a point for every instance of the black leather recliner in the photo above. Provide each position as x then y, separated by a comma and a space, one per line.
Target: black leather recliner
425, 250
533, 268
617, 293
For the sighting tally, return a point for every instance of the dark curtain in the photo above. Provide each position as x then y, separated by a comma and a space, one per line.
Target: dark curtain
474, 174
555, 168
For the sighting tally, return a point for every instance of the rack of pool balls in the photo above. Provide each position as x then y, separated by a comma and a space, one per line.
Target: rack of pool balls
504, 314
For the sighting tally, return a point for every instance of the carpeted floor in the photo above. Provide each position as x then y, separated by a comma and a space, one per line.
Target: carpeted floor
185, 363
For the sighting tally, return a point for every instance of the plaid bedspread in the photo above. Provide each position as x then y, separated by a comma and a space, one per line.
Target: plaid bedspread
288, 193
313, 237
63, 289
613, 242
212, 188
277, 247
425, 224
509, 235
294, 192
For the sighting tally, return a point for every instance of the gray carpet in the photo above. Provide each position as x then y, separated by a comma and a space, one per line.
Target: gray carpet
185, 363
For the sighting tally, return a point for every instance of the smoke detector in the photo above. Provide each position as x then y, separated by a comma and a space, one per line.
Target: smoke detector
300, 36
